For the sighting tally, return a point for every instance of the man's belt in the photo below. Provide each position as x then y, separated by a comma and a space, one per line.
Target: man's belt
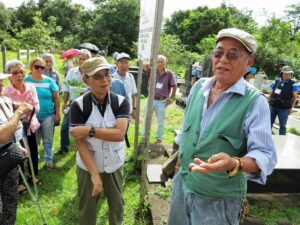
159, 98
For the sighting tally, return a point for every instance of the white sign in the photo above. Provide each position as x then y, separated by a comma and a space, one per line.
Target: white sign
147, 26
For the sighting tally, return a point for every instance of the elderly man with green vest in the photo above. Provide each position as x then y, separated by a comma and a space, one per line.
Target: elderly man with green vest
225, 140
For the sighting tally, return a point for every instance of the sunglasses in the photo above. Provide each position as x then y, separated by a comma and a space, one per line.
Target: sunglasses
230, 55
17, 72
37, 67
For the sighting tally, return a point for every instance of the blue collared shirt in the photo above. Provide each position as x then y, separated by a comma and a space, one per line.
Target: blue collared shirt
257, 128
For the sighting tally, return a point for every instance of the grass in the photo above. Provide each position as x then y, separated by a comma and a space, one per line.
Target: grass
273, 213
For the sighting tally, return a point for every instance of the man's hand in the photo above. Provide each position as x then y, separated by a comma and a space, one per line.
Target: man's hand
23, 150
216, 163
80, 132
97, 185
133, 114
169, 101
291, 110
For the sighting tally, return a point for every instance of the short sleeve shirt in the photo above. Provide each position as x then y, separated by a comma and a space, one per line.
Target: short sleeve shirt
45, 89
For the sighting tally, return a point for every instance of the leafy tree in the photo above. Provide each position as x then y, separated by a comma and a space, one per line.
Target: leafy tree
192, 26
38, 36
293, 16
116, 25
176, 53
68, 16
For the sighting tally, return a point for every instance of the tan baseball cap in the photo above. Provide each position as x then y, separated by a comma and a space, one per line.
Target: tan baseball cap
93, 65
243, 37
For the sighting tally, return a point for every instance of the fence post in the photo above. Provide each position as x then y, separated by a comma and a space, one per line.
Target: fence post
19, 54
3, 57
28, 56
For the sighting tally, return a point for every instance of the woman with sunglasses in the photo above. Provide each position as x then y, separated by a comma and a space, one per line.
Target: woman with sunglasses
49, 113
19, 91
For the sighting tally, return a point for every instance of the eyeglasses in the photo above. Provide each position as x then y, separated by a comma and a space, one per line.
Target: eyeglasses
17, 72
37, 67
230, 55
99, 76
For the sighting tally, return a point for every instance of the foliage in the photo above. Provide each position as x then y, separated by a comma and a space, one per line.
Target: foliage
192, 26
177, 55
117, 24
37, 36
293, 131
163, 192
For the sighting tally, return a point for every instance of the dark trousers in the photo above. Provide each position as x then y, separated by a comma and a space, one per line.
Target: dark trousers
34, 154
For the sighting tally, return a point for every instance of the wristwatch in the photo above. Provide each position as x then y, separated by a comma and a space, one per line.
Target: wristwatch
92, 132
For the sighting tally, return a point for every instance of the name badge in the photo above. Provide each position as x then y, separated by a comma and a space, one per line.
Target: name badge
159, 85
277, 91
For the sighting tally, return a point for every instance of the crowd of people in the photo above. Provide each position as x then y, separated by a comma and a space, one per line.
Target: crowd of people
225, 137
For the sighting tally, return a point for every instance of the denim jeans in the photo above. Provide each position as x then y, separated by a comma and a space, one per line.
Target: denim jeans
283, 115
159, 109
193, 209
64, 133
46, 132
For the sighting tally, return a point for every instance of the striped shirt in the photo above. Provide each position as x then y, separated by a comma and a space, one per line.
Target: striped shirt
257, 127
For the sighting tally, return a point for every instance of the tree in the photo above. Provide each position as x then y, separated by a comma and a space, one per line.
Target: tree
116, 25
192, 26
38, 36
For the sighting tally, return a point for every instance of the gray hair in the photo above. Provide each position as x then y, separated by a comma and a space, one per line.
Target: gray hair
85, 53
162, 57
47, 55
11, 64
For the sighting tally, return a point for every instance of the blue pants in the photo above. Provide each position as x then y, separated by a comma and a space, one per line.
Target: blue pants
64, 133
192, 209
46, 132
283, 115
159, 109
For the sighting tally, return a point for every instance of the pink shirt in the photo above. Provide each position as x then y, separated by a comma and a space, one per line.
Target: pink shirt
29, 96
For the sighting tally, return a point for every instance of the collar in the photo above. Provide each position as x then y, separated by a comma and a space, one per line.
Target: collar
106, 100
26, 88
238, 87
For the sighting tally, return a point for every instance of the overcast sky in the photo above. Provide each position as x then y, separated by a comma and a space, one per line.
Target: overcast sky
259, 7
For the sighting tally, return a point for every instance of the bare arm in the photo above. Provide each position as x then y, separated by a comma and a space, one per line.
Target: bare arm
294, 99
56, 106
66, 99
133, 105
107, 134
9, 128
89, 163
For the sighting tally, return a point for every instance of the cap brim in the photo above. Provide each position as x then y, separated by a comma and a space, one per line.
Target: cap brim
4, 76
239, 40
123, 58
101, 67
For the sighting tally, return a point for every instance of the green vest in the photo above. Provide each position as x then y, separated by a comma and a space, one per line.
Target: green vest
223, 134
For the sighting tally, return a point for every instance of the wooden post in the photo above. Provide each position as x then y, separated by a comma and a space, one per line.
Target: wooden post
28, 56
19, 54
138, 107
154, 52
3, 57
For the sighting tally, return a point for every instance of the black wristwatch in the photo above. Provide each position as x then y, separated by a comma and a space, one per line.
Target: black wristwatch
92, 132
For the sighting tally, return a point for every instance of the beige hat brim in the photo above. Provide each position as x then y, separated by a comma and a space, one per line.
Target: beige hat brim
101, 67
4, 76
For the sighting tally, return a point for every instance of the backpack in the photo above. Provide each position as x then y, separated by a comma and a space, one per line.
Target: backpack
87, 107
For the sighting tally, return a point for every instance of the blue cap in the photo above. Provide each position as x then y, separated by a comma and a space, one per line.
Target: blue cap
250, 70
